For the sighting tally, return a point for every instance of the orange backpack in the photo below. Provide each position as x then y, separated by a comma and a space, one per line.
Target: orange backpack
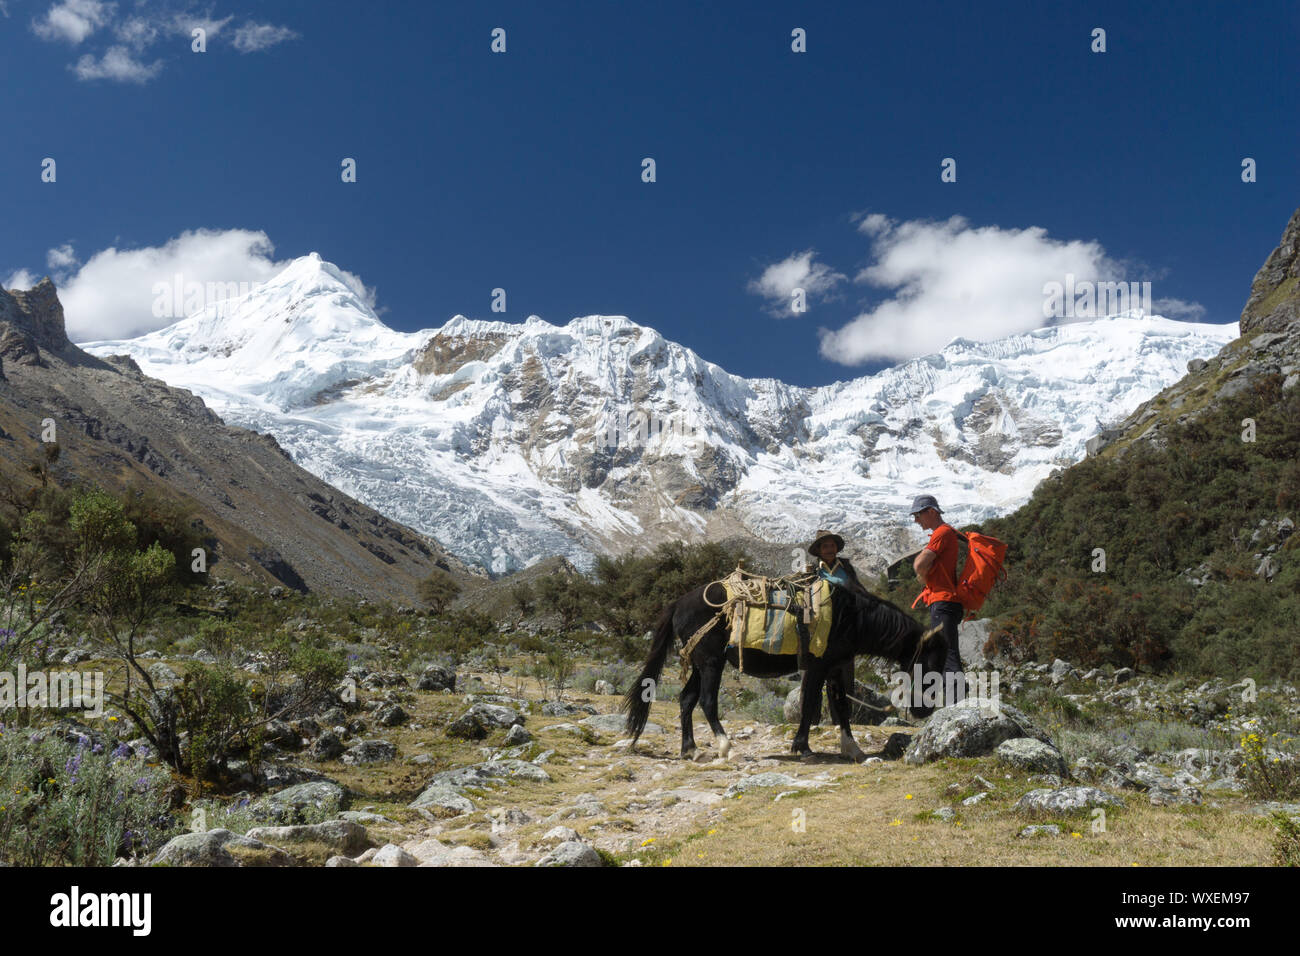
983, 569
984, 558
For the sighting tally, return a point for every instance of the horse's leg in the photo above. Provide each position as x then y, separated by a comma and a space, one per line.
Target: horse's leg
690, 694
710, 682
813, 678
838, 679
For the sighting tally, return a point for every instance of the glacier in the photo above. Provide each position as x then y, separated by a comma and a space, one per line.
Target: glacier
510, 442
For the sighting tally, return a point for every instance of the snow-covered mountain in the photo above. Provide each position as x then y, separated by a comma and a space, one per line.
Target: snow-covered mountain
510, 442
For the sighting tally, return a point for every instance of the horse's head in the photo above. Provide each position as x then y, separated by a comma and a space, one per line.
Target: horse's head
930, 655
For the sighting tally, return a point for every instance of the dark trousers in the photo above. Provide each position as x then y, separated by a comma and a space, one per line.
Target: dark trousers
949, 615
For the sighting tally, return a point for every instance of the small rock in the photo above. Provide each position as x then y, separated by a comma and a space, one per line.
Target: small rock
517, 735
1040, 829
370, 751
437, 677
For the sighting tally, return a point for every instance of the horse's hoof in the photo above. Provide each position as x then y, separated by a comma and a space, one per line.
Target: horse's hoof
688, 753
724, 746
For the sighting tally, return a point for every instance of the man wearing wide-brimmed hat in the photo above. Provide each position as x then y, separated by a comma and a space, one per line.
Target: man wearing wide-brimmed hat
826, 546
936, 566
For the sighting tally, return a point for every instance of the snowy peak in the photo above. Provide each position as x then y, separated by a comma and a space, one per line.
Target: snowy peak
514, 441
286, 341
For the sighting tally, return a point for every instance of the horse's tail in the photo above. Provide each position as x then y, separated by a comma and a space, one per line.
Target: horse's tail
636, 703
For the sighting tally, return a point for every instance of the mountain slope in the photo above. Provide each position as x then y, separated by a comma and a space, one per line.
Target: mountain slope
270, 520
512, 442
1176, 542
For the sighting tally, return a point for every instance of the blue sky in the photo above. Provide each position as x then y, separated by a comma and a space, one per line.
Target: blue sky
523, 170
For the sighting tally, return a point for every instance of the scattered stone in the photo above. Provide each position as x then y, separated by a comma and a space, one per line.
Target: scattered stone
517, 735
1040, 829
1067, 799
327, 747
291, 805
946, 814
393, 716
370, 751
162, 674
764, 780
442, 796
616, 724
219, 848
976, 799
1123, 675
560, 835
1034, 756
605, 688
393, 855
341, 861
437, 677
571, 853
344, 836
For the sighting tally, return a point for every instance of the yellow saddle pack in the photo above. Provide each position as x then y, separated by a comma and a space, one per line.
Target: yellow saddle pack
765, 614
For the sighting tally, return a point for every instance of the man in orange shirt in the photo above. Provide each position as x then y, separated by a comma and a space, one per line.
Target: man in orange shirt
936, 566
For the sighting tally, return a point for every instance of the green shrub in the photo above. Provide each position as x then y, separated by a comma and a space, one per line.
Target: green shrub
70, 804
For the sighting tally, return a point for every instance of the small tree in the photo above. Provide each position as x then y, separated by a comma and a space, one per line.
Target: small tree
524, 599
567, 596
438, 590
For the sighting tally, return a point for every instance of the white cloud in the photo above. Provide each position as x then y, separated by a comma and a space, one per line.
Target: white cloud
949, 279
255, 37
1179, 309
20, 279
73, 20
796, 271
61, 258
112, 295
4, 8
138, 33
117, 64
184, 24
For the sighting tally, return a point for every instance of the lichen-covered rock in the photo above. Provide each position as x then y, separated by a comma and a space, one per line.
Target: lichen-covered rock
393, 855
1032, 756
342, 836
219, 848
1067, 800
437, 677
970, 728
370, 751
319, 798
571, 853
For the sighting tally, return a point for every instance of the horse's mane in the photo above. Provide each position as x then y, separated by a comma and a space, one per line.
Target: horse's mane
895, 630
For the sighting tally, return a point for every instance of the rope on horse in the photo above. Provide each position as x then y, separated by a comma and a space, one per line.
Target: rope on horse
744, 590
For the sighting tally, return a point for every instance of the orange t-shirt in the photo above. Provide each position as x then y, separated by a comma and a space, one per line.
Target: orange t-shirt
942, 583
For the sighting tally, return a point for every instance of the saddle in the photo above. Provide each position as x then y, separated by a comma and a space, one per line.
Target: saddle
785, 615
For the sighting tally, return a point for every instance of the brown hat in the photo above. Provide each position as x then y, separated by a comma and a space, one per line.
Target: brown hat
822, 536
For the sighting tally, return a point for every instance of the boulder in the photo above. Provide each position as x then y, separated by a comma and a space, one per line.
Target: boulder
320, 798
1067, 800
393, 855
1032, 756
370, 751
517, 735
219, 848
571, 853
969, 728
342, 836
437, 677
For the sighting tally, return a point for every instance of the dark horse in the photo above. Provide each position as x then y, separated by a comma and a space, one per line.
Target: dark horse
861, 623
